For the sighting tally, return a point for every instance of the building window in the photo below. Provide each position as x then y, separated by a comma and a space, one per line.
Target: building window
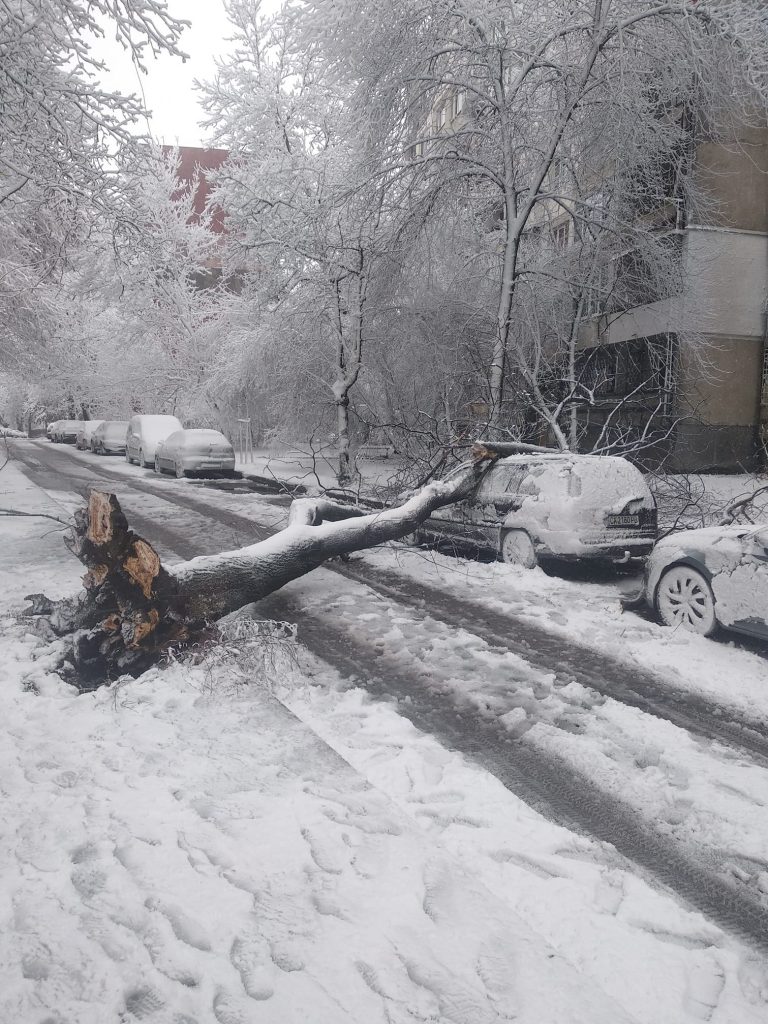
598, 293
561, 235
634, 368
457, 103
442, 117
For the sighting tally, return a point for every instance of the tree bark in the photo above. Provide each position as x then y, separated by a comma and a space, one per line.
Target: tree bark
133, 609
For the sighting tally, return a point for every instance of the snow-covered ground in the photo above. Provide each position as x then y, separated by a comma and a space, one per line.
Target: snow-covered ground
185, 847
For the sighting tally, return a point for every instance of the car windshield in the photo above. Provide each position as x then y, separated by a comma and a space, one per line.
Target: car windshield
115, 429
157, 428
202, 438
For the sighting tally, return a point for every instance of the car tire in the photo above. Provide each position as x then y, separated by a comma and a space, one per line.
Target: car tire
158, 467
180, 472
142, 463
684, 598
128, 458
516, 548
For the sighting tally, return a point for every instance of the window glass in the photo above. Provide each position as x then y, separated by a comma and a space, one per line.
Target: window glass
501, 481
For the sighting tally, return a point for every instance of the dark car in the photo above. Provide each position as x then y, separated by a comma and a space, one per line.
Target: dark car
562, 506
66, 431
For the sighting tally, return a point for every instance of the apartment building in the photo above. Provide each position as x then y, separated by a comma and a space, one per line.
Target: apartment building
192, 170
686, 368
696, 361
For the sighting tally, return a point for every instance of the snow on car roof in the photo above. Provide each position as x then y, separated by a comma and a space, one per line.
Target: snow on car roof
524, 457
156, 418
708, 535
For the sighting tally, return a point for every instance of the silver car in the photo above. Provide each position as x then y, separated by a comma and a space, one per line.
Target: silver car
716, 576
195, 451
109, 438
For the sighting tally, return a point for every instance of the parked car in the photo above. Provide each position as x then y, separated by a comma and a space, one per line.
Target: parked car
83, 441
66, 431
715, 576
144, 434
109, 437
564, 506
51, 429
195, 451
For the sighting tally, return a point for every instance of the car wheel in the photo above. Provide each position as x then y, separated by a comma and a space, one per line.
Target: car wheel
128, 458
684, 598
180, 471
517, 549
158, 467
142, 463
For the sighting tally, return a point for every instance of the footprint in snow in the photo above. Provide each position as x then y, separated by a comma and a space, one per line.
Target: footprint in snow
405, 1002
459, 1002
251, 958
232, 1009
167, 956
326, 851
530, 864
496, 969
441, 897
705, 982
184, 927
753, 979
609, 892
143, 1002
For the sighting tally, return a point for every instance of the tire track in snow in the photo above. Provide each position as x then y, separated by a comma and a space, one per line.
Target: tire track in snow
545, 781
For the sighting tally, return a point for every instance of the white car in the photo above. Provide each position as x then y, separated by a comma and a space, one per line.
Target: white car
716, 576
144, 434
558, 505
195, 451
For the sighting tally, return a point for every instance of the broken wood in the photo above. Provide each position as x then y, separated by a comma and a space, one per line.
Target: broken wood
132, 608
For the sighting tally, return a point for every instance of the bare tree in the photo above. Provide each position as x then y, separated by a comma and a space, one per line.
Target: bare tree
535, 105
312, 220
63, 137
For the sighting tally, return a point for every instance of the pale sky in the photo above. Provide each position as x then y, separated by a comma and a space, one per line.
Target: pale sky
168, 88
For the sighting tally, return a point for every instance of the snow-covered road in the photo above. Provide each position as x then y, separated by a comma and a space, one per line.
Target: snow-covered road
687, 812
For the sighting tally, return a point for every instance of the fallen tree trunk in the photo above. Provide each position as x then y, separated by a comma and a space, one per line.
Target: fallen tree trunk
133, 609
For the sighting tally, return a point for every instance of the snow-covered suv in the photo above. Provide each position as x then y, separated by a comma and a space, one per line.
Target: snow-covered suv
553, 505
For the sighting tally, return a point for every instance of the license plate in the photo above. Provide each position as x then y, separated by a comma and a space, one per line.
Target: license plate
623, 520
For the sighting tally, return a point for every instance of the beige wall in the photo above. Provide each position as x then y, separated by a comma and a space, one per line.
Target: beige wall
735, 177
726, 291
719, 380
